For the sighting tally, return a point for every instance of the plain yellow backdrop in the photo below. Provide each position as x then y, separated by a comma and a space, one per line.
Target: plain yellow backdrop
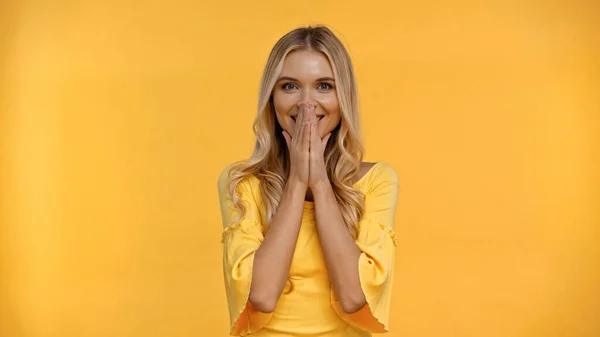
117, 117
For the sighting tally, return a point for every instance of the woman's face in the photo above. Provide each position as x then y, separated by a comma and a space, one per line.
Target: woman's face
306, 78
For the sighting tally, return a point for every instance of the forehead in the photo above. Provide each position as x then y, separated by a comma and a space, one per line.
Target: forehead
306, 65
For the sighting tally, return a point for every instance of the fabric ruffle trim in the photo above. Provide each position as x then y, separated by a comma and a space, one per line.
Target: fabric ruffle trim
238, 225
389, 230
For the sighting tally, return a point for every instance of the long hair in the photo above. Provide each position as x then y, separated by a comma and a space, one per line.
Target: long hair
344, 151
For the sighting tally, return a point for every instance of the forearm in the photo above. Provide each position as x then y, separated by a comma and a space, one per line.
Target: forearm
339, 249
273, 258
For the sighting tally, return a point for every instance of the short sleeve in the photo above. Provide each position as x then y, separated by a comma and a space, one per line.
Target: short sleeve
377, 241
240, 239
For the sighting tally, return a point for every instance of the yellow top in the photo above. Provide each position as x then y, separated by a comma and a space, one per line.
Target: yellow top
308, 305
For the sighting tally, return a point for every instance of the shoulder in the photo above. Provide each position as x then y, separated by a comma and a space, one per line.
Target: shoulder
382, 175
365, 167
385, 171
223, 179
381, 194
245, 185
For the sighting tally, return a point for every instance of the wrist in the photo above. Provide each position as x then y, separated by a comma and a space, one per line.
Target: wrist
294, 186
322, 187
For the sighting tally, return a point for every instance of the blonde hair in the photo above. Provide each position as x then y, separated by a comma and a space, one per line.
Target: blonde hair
344, 152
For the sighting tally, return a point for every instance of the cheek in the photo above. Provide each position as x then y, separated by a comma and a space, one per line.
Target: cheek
333, 110
330, 104
332, 120
283, 103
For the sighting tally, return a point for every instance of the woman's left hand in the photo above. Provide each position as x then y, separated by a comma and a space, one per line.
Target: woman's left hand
317, 170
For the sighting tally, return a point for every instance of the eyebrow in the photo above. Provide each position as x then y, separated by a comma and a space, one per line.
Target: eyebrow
320, 79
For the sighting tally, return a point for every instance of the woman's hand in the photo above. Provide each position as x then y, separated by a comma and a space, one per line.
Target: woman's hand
318, 171
299, 148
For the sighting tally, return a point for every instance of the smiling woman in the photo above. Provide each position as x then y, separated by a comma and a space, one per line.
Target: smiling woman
308, 239
306, 77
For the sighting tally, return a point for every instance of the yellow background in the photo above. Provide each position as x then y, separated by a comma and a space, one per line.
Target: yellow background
116, 119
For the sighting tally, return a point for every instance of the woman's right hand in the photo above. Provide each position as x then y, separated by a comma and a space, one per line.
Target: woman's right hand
299, 146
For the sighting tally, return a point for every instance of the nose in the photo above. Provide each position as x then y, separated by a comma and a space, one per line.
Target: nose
307, 104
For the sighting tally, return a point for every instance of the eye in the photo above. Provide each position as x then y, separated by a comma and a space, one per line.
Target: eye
325, 86
288, 86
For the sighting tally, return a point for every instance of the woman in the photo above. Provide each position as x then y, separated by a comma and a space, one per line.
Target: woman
308, 227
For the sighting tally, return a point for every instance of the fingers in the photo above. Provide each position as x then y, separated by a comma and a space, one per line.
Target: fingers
324, 142
300, 128
306, 121
288, 139
314, 137
306, 134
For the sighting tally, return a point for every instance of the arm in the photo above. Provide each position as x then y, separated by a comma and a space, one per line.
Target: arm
376, 241
242, 238
339, 249
273, 258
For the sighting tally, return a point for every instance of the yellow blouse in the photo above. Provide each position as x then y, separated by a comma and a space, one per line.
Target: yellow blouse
308, 305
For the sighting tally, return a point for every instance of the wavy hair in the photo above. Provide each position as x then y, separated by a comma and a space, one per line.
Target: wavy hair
343, 154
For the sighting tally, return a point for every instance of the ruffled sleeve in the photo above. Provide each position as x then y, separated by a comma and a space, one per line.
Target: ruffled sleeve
377, 241
240, 241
